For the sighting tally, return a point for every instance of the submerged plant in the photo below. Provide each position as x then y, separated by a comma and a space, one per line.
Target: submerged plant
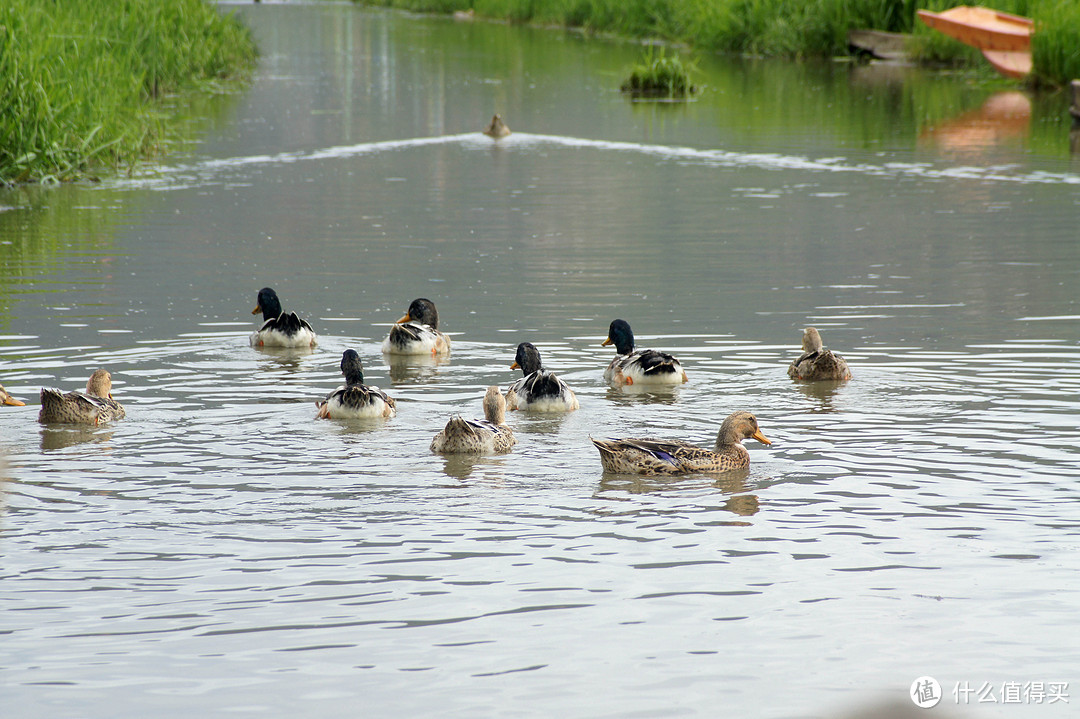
661, 76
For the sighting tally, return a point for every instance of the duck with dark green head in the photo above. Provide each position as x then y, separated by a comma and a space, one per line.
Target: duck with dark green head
354, 399
539, 390
417, 333
653, 456
279, 328
638, 367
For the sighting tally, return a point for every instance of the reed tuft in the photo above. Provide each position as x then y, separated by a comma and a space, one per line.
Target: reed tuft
659, 75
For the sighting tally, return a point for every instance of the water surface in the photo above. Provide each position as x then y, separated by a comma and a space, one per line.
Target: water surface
222, 551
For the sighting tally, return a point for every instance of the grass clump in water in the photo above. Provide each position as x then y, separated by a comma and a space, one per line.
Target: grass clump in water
660, 76
78, 80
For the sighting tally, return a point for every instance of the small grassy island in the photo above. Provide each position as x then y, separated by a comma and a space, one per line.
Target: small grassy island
660, 76
82, 83
787, 28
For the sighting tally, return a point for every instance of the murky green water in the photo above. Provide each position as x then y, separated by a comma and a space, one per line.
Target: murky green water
220, 551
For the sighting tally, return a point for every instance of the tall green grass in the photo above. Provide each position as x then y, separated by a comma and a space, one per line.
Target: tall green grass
792, 28
766, 27
1055, 47
78, 79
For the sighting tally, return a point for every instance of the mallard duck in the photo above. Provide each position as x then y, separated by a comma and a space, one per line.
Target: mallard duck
355, 399
638, 366
539, 390
93, 406
7, 399
478, 436
417, 333
816, 362
653, 456
497, 129
279, 329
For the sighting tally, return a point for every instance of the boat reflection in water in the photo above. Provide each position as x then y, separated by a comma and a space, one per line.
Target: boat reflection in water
1002, 118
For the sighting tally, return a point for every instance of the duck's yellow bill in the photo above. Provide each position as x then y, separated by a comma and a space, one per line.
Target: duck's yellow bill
761, 438
606, 342
257, 310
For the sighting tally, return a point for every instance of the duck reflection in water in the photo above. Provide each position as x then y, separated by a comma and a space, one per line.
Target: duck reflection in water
414, 368
290, 359
475, 469
821, 394
630, 393
731, 483
55, 437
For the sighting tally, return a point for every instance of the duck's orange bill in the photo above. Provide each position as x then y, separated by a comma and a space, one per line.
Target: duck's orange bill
761, 438
11, 401
515, 365
404, 319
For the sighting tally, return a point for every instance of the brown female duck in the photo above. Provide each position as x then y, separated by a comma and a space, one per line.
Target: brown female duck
817, 363
93, 406
7, 399
653, 456
478, 436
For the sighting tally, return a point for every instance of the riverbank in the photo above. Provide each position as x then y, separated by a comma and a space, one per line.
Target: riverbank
782, 27
82, 83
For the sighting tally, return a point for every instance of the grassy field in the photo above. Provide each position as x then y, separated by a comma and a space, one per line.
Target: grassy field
80, 82
793, 28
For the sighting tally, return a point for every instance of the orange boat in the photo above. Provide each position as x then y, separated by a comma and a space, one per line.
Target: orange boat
1004, 39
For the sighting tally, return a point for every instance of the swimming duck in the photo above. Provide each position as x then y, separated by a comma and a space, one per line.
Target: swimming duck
7, 399
497, 129
417, 333
93, 406
279, 329
816, 362
355, 399
652, 456
478, 436
640, 366
539, 390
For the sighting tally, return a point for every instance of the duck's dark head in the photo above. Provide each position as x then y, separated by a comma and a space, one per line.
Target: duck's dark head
620, 335
423, 312
527, 359
352, 368
268, 303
